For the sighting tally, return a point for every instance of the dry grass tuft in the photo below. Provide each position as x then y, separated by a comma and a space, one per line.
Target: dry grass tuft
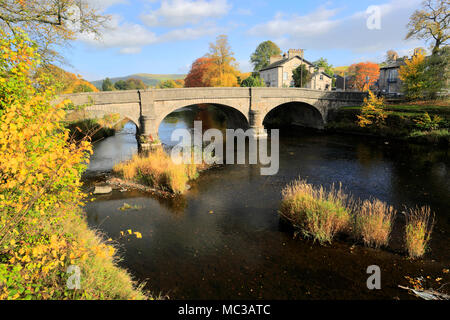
316, 212
419, 225
159, 171
373, 222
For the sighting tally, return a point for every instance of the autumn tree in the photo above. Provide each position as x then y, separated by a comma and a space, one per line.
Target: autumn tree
197, 75
391, 56
413, 76
223, 69
261, 57
363, 75
372, 112
301, 76
431, 23
170, 84
51, 23
63, 81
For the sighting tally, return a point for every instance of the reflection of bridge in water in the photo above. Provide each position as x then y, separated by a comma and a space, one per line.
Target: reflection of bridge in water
148, 108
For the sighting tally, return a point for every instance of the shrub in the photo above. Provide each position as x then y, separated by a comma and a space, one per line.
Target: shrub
372, 112
373, 222
317, 213
419, 225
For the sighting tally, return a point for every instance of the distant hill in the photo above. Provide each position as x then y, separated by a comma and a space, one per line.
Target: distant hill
147, 78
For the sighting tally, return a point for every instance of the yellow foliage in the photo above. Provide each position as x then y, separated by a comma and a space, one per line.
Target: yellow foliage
372, 112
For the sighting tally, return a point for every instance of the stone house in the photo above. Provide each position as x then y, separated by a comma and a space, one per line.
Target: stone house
389, 82
278, 73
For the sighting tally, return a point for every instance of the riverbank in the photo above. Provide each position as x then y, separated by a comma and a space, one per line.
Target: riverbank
421, 123
97, 129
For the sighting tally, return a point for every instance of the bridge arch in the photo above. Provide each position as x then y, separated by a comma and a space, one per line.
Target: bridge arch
163, 109
294, 112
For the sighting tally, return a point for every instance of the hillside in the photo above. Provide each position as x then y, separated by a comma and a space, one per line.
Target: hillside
147, 78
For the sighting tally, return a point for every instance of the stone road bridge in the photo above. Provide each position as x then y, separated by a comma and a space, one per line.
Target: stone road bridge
148, 108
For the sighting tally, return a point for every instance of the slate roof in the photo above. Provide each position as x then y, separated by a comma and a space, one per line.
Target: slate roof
281, 62
395, 64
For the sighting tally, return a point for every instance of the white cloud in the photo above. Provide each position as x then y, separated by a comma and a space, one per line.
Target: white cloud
175, 13
323, 29
128, 37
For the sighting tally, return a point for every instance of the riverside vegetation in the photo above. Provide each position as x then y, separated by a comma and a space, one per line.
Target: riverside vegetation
419, 121
43, 229
322, 214
158, 171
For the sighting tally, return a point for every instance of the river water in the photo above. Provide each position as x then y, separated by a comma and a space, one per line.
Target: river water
224, 240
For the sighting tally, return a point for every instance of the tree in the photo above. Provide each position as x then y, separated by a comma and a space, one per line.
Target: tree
121, 85
261, 57
372, 112
431, 23
301, 76
51, 23
364, 75
167, 84
424, 77
135, 84
63, 81
253, 82
391, 56
323, 63
437, 72
413, 76
223, 72
197, 75
107, 85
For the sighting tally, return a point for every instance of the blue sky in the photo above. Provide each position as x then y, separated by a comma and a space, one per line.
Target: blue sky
149, 36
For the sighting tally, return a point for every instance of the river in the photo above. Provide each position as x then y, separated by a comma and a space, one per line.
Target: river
224, 240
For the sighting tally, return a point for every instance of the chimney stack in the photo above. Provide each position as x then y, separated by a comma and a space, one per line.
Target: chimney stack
295, 52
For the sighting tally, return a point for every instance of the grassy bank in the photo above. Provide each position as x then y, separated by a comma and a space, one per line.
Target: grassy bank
97, 129
37, 267
322, 214
419, 122
157, 170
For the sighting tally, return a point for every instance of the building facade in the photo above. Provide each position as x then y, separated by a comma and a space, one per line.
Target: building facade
278, 73
389, 82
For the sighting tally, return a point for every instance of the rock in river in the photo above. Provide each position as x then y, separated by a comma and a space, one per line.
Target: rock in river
102, 190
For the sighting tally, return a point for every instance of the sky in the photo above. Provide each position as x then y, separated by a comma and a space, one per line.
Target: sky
149, 36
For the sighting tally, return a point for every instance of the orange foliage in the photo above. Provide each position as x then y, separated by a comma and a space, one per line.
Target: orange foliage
364, 75
197, 75
66, 82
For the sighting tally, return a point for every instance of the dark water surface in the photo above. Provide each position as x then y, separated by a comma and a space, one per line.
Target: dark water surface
224, 239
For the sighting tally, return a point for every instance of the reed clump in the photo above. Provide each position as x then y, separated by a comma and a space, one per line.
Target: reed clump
318, 213
373, 222
159, 171
419, 225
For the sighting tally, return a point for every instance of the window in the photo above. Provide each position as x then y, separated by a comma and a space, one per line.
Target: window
285, 75
321, 77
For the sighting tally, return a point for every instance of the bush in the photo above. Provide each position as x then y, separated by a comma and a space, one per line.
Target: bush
419, 225
317, 213
373, 222
42, 228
